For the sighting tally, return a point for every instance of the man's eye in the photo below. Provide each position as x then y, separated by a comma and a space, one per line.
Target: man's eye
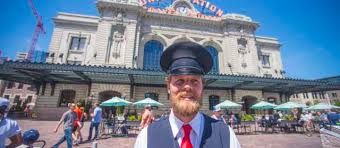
194, 81
179, 82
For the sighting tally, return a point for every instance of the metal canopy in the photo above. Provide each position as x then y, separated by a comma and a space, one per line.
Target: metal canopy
39, 73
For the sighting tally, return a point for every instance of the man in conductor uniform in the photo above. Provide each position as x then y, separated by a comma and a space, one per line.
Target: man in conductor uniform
186, 63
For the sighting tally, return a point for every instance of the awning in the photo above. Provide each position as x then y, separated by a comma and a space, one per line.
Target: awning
38, 73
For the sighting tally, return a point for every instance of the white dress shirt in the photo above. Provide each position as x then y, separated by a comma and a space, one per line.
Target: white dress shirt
176, 124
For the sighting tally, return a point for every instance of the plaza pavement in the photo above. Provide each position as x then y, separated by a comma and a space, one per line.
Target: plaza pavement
247, 141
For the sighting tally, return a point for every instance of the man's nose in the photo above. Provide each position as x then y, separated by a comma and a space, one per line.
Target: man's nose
187, 86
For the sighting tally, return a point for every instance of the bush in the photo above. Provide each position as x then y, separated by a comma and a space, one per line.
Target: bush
337, 103
139, 118
288, 117
131, 118
247, 117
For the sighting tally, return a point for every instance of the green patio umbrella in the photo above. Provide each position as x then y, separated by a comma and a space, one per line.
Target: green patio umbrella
147, 101
322, 106
289, 105
229, 105
115, 101
262, 105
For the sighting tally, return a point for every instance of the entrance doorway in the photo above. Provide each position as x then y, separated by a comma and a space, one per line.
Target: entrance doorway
109, 112
248, 102
106, 95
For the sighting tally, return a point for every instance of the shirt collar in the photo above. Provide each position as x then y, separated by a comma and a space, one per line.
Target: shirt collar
176, 124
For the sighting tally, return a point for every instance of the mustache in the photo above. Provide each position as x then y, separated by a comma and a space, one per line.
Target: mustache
183, 94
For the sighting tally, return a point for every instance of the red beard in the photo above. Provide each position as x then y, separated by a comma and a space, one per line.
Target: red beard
186, 108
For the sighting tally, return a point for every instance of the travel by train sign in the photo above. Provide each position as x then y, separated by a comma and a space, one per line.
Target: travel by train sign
214, 13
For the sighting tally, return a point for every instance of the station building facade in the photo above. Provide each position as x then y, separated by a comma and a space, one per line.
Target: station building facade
131, 36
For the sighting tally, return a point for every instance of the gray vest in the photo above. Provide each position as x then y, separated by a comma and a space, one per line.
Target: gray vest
215, 134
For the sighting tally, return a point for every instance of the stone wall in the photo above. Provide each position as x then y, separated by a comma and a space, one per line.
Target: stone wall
242, 93
47, 106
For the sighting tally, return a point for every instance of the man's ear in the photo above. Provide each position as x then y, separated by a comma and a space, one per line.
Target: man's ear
167, 83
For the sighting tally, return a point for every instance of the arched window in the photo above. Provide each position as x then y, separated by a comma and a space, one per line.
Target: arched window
214, 54
213, 100
153, 96
152, 54
66, 96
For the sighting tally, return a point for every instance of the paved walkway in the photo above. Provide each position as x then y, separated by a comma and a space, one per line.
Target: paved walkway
247, 141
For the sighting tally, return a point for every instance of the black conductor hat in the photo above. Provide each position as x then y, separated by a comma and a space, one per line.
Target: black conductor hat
186, 58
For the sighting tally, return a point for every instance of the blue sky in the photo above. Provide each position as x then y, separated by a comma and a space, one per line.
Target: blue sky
307, 29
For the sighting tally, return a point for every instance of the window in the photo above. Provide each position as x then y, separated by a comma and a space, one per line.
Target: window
265, 60
10, 85
31, 88
305, 95
296, 95
322, 94
66, 96
152, 54
6, 96
313, 95
334, 95
29, 99
77, 43
316, 95
214, 54
268, 75
153, 96
74, 62
16, 99
213, 100
20, 86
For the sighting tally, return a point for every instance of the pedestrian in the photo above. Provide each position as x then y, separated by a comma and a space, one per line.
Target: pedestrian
95, 122
9, 129
68, 119
186, 127
82, 122
232, 120
217, 114
77, 124
147, 117
26, 111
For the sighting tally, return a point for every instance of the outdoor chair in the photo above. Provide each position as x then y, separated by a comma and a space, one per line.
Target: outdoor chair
264, 125
133, 126
246, 126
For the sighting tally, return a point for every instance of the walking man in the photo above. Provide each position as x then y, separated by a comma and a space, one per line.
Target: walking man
95, 122
217, 114
68, 119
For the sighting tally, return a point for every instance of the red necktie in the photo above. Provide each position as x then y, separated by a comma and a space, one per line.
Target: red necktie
186, 139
